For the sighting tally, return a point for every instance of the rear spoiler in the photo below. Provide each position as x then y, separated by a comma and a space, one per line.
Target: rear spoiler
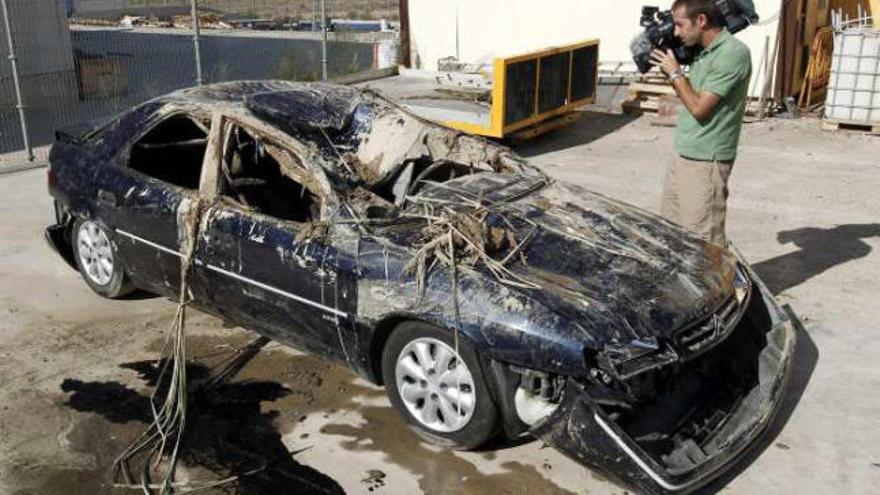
77, 133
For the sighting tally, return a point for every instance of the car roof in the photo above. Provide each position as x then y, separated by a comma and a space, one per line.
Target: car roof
380, 135
277, 100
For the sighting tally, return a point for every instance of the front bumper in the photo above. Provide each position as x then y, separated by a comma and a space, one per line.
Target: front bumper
582, 430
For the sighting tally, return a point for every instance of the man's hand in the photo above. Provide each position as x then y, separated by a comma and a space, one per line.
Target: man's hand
665, 61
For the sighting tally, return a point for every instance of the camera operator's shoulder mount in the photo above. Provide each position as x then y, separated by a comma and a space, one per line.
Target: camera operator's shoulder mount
660, 31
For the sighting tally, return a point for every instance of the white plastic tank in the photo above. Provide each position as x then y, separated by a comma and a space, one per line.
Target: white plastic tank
386, 53
854, 86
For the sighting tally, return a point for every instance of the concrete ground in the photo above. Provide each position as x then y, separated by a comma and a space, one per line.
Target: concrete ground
75, 370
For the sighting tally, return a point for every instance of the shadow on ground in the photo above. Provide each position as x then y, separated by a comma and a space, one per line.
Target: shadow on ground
226, 431
138, 295
820, 250
588, 128
806, 355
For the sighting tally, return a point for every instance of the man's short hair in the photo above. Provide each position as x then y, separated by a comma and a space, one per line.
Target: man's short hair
708, 8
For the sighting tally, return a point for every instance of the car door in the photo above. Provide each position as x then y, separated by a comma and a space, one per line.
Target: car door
141, 195
264, 268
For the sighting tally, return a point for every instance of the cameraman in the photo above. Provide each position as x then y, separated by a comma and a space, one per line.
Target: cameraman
714, 98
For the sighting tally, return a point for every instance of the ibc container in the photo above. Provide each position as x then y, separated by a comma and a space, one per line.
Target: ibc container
854, 86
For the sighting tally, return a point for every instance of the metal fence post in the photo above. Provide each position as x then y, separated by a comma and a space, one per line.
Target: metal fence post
196, 46
314, 15
25, 135
323, 43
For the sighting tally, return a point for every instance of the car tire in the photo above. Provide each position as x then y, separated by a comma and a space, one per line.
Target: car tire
97, 259
419, 370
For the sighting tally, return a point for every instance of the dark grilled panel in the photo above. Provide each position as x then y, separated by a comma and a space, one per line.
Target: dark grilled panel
695, 337
583, 72
553, 92
519, 92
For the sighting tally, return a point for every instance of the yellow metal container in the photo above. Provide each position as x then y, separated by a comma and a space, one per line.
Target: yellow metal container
535, 88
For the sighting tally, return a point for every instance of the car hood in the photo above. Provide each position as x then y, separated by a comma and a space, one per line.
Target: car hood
617, 274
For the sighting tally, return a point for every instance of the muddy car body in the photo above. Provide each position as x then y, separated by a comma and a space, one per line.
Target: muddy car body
485, 295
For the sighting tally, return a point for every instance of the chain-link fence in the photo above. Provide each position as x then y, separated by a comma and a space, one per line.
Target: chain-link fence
81, 60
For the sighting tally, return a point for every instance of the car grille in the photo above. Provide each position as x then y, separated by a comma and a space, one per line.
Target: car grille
712, 329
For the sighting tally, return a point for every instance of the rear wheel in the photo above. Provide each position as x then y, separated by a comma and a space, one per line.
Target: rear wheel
97, 259
443, 398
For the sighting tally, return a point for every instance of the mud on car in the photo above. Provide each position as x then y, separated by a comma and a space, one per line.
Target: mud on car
487, 297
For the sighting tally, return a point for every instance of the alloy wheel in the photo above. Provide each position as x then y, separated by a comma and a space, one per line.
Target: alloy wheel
94, 252
436, 387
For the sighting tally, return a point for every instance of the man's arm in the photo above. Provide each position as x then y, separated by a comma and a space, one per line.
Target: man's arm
701, 104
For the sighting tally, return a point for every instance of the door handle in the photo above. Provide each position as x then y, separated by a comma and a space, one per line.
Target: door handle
106, 198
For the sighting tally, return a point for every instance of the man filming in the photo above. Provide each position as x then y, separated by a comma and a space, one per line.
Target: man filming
713, 95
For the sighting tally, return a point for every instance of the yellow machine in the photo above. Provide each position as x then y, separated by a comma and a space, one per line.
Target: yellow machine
522, 96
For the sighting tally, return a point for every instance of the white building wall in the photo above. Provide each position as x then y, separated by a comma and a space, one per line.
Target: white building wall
477, 31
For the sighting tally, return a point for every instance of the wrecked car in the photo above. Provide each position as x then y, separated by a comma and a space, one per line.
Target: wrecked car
487, 297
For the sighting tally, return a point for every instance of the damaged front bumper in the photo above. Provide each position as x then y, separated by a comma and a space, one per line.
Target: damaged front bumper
587, 431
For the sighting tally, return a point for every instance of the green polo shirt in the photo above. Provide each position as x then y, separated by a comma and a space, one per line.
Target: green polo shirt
723, 68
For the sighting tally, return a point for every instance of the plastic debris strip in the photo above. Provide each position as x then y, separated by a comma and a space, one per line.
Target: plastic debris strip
159, 447
163, 437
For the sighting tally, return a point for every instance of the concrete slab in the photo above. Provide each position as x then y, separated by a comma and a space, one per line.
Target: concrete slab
439, 96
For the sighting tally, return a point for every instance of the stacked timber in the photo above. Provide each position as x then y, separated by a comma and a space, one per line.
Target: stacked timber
653, 95
815, 84
644, 94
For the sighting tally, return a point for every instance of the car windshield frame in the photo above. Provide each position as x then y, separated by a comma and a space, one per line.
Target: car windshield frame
277, 137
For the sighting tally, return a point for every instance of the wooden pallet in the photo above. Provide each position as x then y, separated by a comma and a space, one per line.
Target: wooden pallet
837, 124
645, 96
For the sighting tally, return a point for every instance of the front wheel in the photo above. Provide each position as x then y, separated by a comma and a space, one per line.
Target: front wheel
444, 399
97, 260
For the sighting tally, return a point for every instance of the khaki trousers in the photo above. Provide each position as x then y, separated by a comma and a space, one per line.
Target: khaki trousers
695, 196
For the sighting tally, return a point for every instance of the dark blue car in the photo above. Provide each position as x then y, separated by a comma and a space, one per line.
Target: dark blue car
486, 296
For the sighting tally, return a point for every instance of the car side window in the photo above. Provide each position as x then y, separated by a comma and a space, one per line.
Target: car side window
172, 151
266, 178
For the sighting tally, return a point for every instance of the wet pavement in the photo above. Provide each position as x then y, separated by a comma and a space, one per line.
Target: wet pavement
256, 427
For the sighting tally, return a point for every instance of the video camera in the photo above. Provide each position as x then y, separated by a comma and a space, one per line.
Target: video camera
659, 32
